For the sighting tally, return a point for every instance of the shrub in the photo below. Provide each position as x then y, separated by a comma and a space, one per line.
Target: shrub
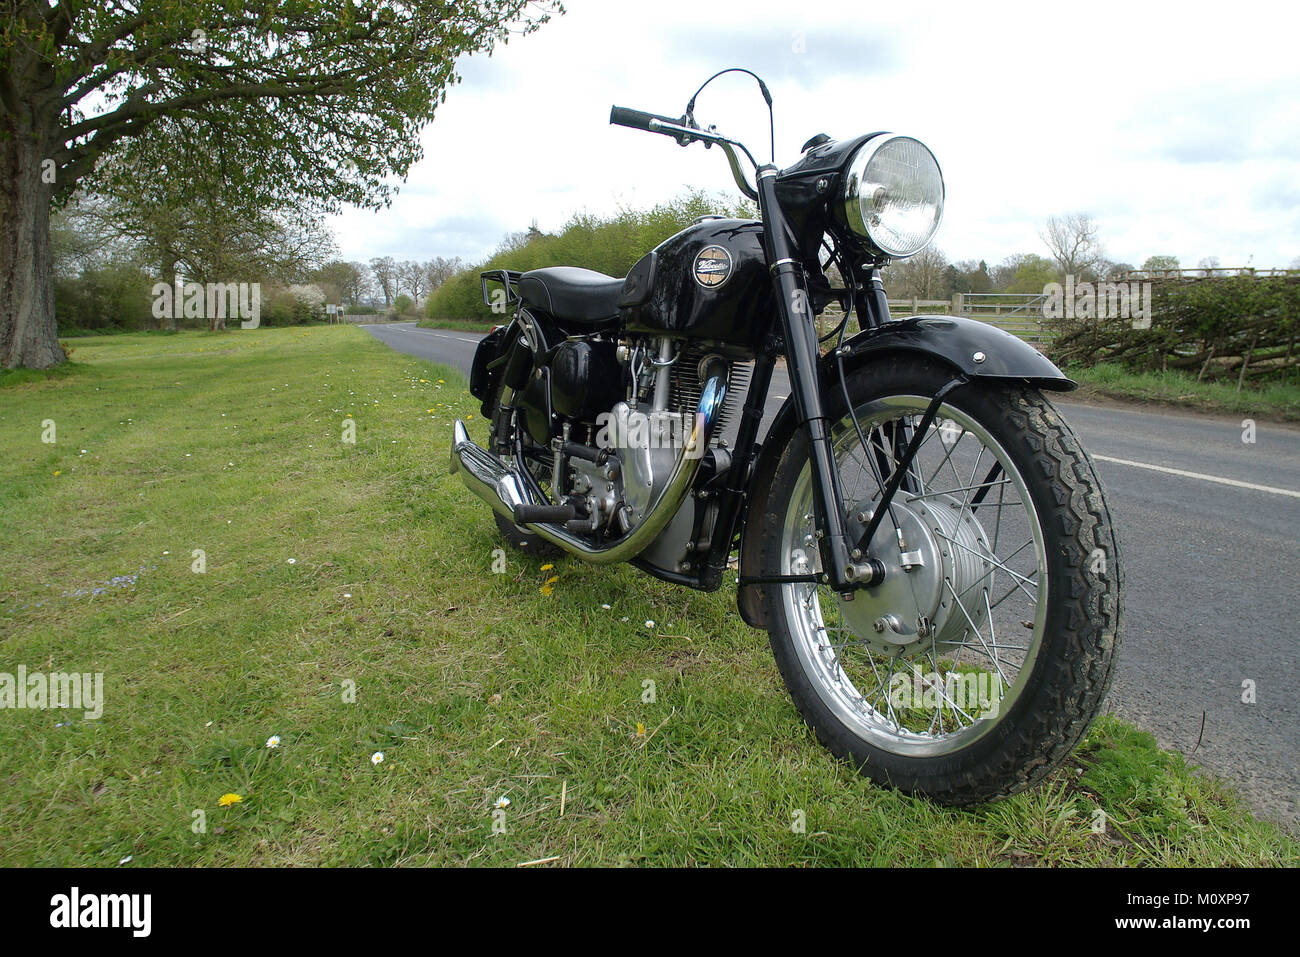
1213, 326
610, 245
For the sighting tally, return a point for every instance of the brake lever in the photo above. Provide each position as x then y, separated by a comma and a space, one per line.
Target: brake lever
685, 139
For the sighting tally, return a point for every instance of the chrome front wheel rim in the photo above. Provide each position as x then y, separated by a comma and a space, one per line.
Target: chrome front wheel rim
933, 659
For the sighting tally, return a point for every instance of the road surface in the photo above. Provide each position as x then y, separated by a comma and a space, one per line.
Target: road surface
1210, 535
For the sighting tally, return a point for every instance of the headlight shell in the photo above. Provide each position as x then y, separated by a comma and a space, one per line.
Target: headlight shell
893, 194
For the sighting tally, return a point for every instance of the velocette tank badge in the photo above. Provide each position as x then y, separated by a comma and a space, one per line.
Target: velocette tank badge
712, 266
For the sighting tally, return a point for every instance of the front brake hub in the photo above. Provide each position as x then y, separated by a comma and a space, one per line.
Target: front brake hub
943, 549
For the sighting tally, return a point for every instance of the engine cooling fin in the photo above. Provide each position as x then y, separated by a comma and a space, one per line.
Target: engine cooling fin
688, 386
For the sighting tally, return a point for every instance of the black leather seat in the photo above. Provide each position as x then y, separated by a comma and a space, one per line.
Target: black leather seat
567, 292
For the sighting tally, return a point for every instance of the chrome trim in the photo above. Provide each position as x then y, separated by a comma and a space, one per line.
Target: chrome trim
497, 484
853, 172
709, 136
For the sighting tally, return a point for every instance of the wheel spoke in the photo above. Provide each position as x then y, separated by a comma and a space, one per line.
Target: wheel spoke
854, 667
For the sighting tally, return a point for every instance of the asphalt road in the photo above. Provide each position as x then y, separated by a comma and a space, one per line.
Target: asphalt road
1210, 536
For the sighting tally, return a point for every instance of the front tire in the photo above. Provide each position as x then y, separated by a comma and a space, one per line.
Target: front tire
1003, 582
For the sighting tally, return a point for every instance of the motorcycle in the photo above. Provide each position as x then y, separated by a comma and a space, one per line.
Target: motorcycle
918, 530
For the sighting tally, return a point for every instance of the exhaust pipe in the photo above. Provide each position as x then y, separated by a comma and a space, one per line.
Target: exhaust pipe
502, 487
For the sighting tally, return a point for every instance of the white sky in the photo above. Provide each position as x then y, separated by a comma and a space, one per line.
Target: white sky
1176, 125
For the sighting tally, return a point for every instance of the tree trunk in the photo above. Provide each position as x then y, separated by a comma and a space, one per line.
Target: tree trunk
28, 333
169, 276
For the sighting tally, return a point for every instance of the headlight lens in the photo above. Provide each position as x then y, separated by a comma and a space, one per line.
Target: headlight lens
893, 194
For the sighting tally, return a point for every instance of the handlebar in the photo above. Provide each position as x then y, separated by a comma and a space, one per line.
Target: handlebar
635, 119
678, 128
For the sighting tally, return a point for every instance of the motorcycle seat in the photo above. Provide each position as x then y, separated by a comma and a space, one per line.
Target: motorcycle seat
568, 292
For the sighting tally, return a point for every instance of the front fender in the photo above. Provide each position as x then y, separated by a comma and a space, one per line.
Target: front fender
954, 340
957, 341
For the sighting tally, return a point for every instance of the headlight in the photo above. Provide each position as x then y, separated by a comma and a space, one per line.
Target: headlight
893, 194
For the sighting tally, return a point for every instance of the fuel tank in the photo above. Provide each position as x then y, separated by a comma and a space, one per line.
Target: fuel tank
707, 282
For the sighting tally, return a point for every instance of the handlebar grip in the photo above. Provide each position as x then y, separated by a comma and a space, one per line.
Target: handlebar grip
635, 119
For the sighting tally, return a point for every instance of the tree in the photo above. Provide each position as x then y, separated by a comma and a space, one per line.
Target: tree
169, 192
343, 282
331, 94
969, 276
1161, 265
438, 270
1072, 240
384, 269
923, 276
1004, 274
1033, 274
412, 277
1208, 265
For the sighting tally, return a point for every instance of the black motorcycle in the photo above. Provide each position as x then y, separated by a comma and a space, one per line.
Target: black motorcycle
919, 531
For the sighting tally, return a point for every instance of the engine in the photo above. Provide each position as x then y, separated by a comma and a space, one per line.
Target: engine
625, 412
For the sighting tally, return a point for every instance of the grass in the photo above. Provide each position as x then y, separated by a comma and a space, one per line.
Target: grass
332, 567
467, 325
1275, 401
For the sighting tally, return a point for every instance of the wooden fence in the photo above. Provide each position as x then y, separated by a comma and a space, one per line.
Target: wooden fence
1018, 313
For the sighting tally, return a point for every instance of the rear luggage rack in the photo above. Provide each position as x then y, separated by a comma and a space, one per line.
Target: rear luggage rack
509, 279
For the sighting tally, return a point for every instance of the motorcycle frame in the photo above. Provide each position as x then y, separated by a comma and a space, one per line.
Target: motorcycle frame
792, 332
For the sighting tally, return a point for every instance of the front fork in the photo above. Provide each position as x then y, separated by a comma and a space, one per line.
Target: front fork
846, 570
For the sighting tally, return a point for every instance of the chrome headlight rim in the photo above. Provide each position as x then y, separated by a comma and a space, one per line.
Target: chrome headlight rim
854, 171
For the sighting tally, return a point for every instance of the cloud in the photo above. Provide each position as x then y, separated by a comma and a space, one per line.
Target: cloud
1177, 132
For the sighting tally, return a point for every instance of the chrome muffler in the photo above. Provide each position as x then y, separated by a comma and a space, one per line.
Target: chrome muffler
502, 487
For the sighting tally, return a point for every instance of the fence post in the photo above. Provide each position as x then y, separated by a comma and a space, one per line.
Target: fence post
957, 304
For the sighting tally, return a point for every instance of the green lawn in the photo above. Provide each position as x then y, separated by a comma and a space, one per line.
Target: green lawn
1279, 401
467, 325
331, 566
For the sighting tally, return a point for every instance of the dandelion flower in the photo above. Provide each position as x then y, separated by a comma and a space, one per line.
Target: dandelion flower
548, 586
273, 741
377, 757
227, 800
547, 567
640, 730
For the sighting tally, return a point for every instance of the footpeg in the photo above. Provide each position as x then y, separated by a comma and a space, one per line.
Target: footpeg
544, 514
